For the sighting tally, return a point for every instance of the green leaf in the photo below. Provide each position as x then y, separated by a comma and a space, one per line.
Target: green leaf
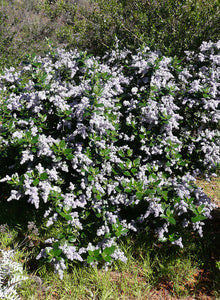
136, 162
178, 155
34, 139
128, 164
153, 176
142, 136
168, 212
139, 195
108, 235
109, 250
121, 153
198, 218
124, 231
95, 190
134, 171
62, 144
149, 191
90, 252
172, 238
57, 252
164, 194
122, 166
58, 158
114, 171
56, 245
192, 206
36, 181
70, 156
68, 217
90, 259
43, 176
171, 220
71, 239
96, 252
67, 209
107, 258
157, 182
90, 178
129, 152
200, 209
127, 173
60, 236
58, 209
98, 197
62, 214
67, 151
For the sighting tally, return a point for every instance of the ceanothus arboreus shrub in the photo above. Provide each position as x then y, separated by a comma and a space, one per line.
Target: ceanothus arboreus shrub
111, 146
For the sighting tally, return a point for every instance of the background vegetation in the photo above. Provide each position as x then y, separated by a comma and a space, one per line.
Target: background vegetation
170, 25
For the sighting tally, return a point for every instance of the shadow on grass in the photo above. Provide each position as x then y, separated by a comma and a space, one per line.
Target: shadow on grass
191, 272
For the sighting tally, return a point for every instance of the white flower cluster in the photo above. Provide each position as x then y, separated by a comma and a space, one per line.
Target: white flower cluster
11, 275
109, 147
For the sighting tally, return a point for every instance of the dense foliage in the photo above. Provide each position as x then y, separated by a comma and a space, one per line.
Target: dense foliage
172, 26
111, 146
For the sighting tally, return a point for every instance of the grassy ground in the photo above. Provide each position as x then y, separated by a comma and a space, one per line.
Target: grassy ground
152, 272
211, 188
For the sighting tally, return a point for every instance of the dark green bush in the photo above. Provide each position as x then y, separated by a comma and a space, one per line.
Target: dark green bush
172, 26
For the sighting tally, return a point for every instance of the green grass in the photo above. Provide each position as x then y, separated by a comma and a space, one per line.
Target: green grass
152, 270
147, 272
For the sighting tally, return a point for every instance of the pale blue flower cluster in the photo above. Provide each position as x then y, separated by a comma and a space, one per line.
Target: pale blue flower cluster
11, 275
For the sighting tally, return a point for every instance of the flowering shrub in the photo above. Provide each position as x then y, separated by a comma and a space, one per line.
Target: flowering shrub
111, 146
